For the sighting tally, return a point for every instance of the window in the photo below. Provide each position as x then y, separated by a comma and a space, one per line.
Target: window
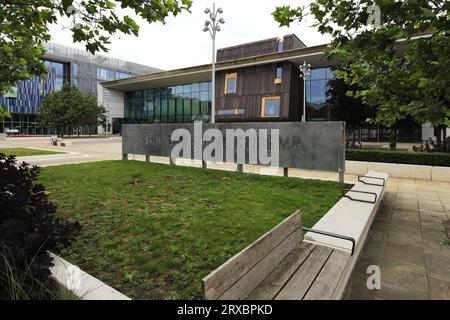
102, 74
230, 83
280, 46
278, 74
270, 107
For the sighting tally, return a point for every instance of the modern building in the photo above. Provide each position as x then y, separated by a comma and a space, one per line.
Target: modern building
257, 81
64, 64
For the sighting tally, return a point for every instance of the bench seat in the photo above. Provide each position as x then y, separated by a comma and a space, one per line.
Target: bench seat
309, 272
349, 217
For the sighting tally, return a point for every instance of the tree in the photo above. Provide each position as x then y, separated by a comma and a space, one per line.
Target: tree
92, 114
4, 114
344, 106
24, 28
70, 108
399, 74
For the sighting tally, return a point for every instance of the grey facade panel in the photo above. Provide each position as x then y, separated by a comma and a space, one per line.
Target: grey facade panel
311, 145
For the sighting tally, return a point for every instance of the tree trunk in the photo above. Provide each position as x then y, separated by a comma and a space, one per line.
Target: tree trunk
354, 136
393, 138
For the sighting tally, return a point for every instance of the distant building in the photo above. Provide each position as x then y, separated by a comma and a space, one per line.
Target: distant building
64, 64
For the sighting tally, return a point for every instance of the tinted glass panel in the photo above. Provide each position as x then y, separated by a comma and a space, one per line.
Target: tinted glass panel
171, 104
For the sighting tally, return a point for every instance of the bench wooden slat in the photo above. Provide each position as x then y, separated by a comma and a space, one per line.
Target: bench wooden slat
220, 280
329, 280
299, 284
269, 288
259, 272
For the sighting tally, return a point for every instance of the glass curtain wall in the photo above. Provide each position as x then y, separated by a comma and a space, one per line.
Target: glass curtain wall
316, 94
178, 104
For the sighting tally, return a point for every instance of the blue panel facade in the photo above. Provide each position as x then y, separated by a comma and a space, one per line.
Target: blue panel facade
64, 64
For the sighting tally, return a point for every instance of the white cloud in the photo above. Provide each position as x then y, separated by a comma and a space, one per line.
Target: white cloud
181, 42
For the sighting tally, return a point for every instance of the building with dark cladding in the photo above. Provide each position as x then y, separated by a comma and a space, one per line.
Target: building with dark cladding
258, 81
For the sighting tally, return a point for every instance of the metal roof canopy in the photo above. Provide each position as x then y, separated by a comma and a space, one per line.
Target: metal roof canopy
313, 55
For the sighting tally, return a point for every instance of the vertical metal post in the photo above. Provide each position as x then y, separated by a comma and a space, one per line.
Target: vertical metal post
304, 100
124, 156
213, 26
213, 90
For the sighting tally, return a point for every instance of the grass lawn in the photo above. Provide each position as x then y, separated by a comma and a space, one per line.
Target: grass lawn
25, 152
153, 231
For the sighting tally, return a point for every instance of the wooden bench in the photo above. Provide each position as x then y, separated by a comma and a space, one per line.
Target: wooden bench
287, 263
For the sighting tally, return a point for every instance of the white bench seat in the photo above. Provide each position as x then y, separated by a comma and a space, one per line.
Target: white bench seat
350, 218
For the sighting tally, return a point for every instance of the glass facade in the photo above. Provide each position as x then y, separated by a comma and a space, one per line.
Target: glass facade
178, 104
317, 84
316, 94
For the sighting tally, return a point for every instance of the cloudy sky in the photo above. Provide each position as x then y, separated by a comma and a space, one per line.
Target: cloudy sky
182, 43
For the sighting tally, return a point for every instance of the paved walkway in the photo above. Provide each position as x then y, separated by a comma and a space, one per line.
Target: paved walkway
409, 242
77, 150
408, 239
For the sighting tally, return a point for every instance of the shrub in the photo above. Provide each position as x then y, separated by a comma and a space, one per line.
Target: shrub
431, 146
406, 157
28, 230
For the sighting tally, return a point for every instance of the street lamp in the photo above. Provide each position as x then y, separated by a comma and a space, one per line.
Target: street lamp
305, 71
213, 26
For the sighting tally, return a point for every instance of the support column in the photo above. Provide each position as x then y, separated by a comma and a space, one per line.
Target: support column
341, 177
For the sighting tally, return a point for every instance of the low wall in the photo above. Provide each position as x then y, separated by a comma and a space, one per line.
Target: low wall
408, 171
80, 283
310, 145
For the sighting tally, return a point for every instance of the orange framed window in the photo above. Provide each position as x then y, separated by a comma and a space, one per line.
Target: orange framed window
230, 83
271, 107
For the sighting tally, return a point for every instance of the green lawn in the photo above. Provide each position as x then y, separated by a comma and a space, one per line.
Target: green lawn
25, 152
154, 231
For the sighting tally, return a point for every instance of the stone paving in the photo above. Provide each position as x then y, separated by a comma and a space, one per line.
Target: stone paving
409, 241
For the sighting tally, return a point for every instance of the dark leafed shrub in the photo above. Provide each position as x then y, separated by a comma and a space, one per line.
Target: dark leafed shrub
28, 230
431, 146
406, 157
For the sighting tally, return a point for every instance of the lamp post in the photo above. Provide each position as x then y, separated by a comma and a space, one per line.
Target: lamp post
213, 26
305, 70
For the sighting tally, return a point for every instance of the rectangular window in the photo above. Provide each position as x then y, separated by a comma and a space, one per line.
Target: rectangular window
280, 46
270, 107
230, 83
278, 74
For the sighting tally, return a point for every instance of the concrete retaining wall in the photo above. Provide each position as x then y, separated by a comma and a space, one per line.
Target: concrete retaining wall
80, 283
409, 171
